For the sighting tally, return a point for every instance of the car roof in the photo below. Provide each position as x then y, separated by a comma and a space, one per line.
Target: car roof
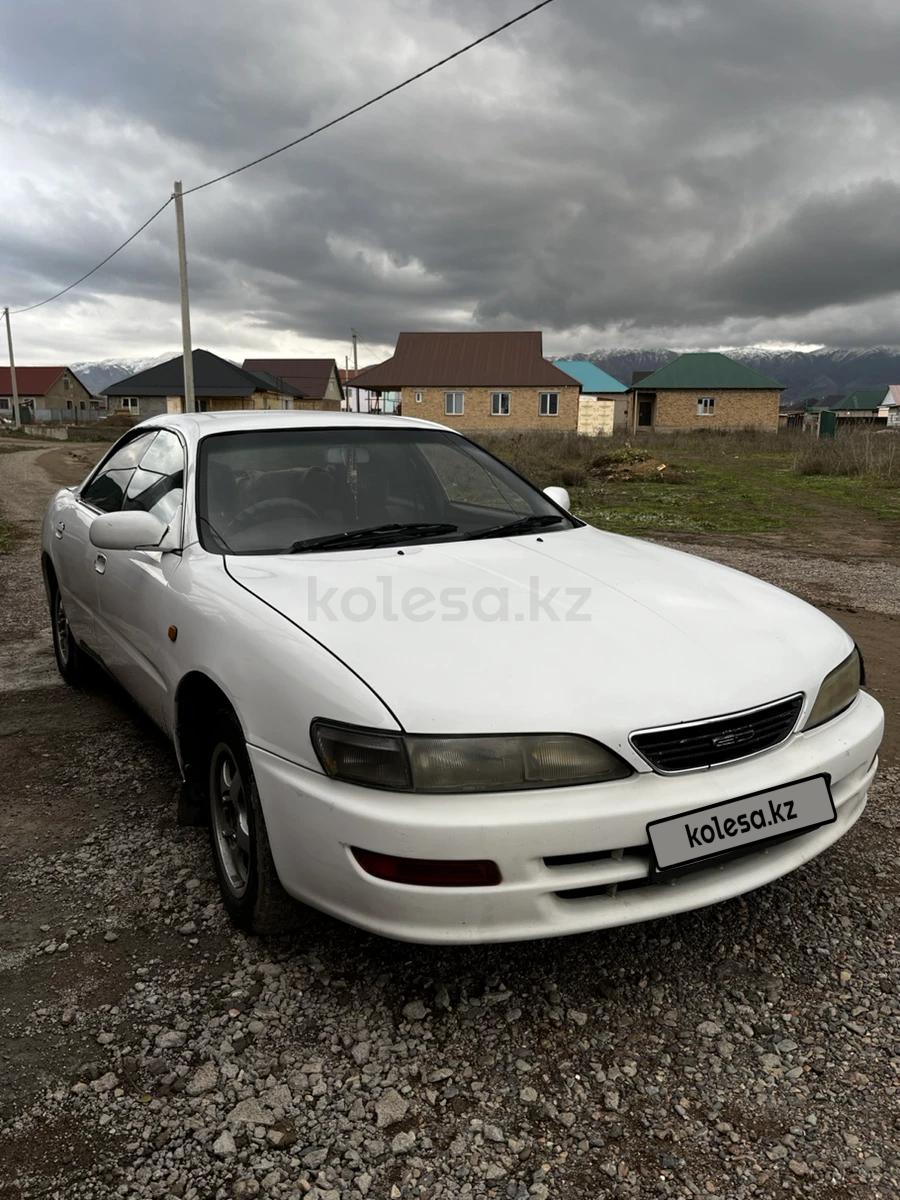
198, 425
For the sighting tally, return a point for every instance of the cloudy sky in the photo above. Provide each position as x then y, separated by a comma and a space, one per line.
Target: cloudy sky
625, 173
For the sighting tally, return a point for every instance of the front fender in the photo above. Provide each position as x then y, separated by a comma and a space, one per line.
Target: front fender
276, 676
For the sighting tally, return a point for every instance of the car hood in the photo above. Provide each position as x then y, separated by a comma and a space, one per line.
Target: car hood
576, 631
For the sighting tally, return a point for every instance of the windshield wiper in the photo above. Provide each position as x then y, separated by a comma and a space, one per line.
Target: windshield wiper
374, 535
523, 525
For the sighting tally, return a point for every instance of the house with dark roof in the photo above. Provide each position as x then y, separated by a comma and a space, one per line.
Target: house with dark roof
603, 405
705, 391
317, 378
48, 394
219, 386
475, 381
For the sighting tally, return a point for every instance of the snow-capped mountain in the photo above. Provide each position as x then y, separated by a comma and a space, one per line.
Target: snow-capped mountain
806, 374
97, 375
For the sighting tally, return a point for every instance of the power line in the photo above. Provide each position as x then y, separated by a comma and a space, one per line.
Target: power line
289, 145
100, 264
368, 103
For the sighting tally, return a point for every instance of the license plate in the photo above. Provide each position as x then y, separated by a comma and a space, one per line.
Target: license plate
717, 829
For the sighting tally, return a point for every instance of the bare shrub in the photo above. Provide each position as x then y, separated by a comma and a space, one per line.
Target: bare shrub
864, 453
573, 459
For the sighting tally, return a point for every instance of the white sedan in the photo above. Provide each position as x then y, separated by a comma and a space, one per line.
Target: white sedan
409, 689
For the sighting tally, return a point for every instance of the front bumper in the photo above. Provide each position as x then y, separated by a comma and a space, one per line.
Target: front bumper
313, 820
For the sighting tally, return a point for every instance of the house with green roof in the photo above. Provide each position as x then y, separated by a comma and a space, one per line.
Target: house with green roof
866, 406
705, 390
603, 403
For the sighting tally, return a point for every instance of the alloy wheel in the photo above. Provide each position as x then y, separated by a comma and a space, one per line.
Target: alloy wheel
61, 630
230, 819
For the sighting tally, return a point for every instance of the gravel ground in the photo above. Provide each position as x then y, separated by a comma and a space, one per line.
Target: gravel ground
871, 586
149, 1050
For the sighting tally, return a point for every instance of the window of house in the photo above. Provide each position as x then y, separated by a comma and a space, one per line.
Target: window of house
454, 403
706, 406
549, 404
4, 402
81, 405
67, 384
499, 404
418, 397
68, 404
130, 403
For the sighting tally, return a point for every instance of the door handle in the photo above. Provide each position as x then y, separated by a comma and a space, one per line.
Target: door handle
100, 564
60, 527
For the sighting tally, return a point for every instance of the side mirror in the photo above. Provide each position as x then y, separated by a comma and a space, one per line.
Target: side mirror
131, 530
558, 495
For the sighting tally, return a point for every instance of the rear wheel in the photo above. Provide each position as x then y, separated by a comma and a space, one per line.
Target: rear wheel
71, 661
251, 890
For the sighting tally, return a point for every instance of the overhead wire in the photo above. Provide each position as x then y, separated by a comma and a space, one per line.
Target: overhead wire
102, 263
289, 146
368, 103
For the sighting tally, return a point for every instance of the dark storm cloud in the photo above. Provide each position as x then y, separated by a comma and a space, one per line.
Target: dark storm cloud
699, 173
845, 245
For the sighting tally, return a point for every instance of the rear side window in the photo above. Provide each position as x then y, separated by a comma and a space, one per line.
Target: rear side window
146, 473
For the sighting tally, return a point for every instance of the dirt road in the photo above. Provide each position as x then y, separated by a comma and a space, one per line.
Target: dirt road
148, 1050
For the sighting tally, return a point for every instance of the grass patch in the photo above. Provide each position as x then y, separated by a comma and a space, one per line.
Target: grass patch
736, 482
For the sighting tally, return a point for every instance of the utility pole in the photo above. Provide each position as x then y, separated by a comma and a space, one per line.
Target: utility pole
355, 337
190, 404
17, 421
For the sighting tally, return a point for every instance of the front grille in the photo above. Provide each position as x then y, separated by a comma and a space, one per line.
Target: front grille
698, 744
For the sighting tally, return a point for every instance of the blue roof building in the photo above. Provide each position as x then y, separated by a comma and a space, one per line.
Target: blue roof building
593, 380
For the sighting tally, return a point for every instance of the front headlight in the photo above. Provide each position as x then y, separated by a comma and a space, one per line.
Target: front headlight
493, 763
838, 691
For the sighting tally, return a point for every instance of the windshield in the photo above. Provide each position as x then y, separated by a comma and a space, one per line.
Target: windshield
272, 491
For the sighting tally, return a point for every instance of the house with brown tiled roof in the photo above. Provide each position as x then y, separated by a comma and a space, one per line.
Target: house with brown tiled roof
475, 381
48, 394
317, 378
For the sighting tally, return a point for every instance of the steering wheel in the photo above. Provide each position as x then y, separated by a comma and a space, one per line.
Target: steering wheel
276, 507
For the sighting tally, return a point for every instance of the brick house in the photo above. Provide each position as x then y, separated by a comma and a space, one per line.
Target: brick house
219, 386
705, 391
49, 394
475, 381
317, 379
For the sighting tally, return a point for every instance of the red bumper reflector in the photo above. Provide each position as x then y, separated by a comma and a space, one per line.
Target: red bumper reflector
429, 872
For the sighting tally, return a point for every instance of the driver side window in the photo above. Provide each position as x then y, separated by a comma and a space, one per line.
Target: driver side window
147, 473
157, 485
106, 491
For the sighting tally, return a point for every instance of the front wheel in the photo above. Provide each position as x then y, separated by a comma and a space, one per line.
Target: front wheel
71, 661
251, 890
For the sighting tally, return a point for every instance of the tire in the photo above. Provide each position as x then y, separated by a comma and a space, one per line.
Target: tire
71, 661
251, 890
